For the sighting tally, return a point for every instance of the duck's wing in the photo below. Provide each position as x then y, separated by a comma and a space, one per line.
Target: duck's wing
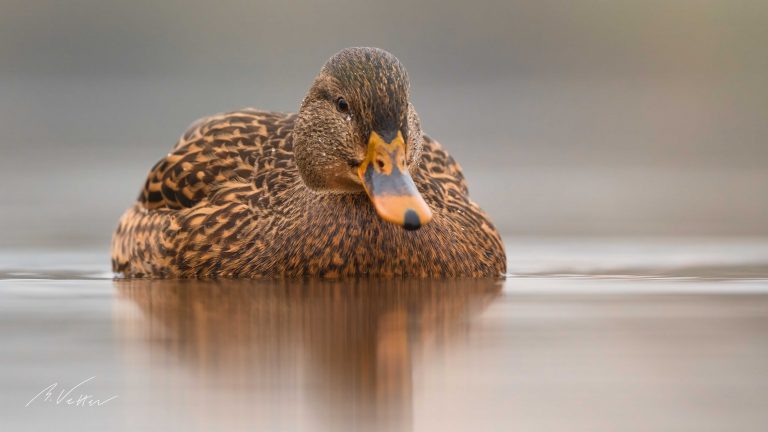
218, 163
439, 176
215, 150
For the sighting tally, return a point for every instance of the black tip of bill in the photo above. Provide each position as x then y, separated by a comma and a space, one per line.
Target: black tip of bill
411, 222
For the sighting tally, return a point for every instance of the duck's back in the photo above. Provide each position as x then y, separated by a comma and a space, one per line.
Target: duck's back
216, 156
214, 151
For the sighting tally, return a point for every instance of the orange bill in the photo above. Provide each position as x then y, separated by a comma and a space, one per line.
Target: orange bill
390, 186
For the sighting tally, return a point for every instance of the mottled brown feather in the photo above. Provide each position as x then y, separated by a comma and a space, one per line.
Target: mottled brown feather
228, 201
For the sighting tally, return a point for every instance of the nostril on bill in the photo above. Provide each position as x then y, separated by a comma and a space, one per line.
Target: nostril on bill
411, 221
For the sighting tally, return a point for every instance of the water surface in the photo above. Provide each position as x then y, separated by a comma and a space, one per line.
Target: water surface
582, 335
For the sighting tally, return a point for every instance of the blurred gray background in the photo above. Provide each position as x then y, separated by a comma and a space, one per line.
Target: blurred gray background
569, 117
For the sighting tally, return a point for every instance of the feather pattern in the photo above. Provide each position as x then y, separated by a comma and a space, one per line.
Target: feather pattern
228, 201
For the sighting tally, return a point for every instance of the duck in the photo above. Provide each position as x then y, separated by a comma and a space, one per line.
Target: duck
349, 186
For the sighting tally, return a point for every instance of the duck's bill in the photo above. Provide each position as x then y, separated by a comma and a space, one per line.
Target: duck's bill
390, 186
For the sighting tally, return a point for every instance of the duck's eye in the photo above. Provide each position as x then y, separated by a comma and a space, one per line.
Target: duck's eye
342, 105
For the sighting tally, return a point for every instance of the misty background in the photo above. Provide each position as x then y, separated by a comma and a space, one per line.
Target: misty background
583, 118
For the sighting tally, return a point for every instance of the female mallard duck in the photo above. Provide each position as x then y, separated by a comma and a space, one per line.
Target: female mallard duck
262, 194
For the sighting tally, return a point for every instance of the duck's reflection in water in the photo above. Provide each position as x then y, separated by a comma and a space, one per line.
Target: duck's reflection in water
285, 354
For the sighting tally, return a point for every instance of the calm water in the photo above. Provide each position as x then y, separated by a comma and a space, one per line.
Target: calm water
583, 335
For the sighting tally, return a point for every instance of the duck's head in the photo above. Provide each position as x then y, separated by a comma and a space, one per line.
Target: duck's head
357, 131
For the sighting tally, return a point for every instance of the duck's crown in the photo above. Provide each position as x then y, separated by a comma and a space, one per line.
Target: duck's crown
381, 84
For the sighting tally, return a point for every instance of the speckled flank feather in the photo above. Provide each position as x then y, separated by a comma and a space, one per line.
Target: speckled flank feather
228, 202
